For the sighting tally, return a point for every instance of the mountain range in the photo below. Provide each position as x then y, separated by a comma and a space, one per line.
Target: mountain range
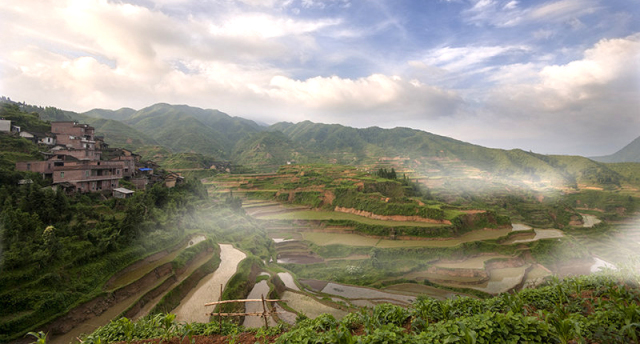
629, 153
219, 136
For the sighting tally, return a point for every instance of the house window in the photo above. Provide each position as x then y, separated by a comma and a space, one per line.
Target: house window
28, 167
86, 173
61, 174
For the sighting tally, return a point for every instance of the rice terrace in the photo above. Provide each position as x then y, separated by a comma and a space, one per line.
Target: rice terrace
451, 242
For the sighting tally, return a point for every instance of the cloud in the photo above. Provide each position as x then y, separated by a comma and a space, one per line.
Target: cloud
462, 58
509, 13
585, 98
375, 96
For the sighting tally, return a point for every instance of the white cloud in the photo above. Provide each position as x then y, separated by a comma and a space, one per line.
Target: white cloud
506, 13
585, 98
459, 59
259, 25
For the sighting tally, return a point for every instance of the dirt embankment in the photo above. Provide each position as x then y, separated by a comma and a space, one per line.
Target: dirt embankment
459, 272
483, 273
102, 303
399, 218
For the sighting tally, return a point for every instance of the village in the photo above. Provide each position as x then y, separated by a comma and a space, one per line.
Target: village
78, 161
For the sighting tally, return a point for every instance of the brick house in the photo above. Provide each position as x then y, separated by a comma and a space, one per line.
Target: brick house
75, 163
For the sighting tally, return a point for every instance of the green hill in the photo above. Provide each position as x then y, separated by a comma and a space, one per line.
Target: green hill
118, 134
118, 115
190, 129
265, 150
324, 143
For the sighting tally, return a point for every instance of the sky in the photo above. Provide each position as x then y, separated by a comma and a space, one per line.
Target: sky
553, 77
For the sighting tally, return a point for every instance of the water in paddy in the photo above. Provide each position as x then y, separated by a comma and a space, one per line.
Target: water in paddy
540, 234
590, 220
260, 289
366, 294
502, 280
287, 279
310, 306
516, 227
191, 308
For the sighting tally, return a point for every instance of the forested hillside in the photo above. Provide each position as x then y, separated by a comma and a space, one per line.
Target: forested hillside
214, 135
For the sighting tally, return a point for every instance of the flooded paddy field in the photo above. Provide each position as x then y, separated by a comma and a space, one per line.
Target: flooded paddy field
260, 290
415, 289
310, 306
471, 263
502, 280
352, 239
287, 213
353, 293
191, 308
288, 281
539, 235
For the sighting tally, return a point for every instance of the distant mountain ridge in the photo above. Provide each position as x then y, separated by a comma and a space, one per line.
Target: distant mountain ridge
185, 128
214, 134
629, 153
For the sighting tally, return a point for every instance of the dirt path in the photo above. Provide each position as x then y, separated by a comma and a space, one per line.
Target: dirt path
192, 309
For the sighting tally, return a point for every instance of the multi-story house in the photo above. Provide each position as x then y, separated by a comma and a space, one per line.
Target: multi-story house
75, 162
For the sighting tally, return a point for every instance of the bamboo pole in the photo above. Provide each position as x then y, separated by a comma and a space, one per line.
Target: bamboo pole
264, 308
243, 300
219, 309
243, 314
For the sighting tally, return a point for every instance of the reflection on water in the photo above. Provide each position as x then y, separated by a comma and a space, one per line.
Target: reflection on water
260, 289
287, 279
352, 292
191, 308
516, 227
541, 234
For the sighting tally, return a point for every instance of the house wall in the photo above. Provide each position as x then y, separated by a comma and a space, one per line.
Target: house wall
89, 176
5, 125
73, 129
35, 166
129, 165
81, 154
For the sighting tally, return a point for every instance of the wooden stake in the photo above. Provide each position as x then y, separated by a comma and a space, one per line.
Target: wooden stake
264, 307
243, 300
219, 309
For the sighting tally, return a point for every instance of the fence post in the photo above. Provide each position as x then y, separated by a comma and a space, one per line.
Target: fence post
219, 309
264, 308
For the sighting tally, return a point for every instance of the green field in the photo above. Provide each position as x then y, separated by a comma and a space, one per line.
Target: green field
471, 263
323, 239
332, 215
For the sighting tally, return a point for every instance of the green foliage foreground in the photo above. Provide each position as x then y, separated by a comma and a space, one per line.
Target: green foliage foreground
587, 309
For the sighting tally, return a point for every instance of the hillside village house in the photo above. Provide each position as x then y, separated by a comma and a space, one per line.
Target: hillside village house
75, 162
42, 138
6, 126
